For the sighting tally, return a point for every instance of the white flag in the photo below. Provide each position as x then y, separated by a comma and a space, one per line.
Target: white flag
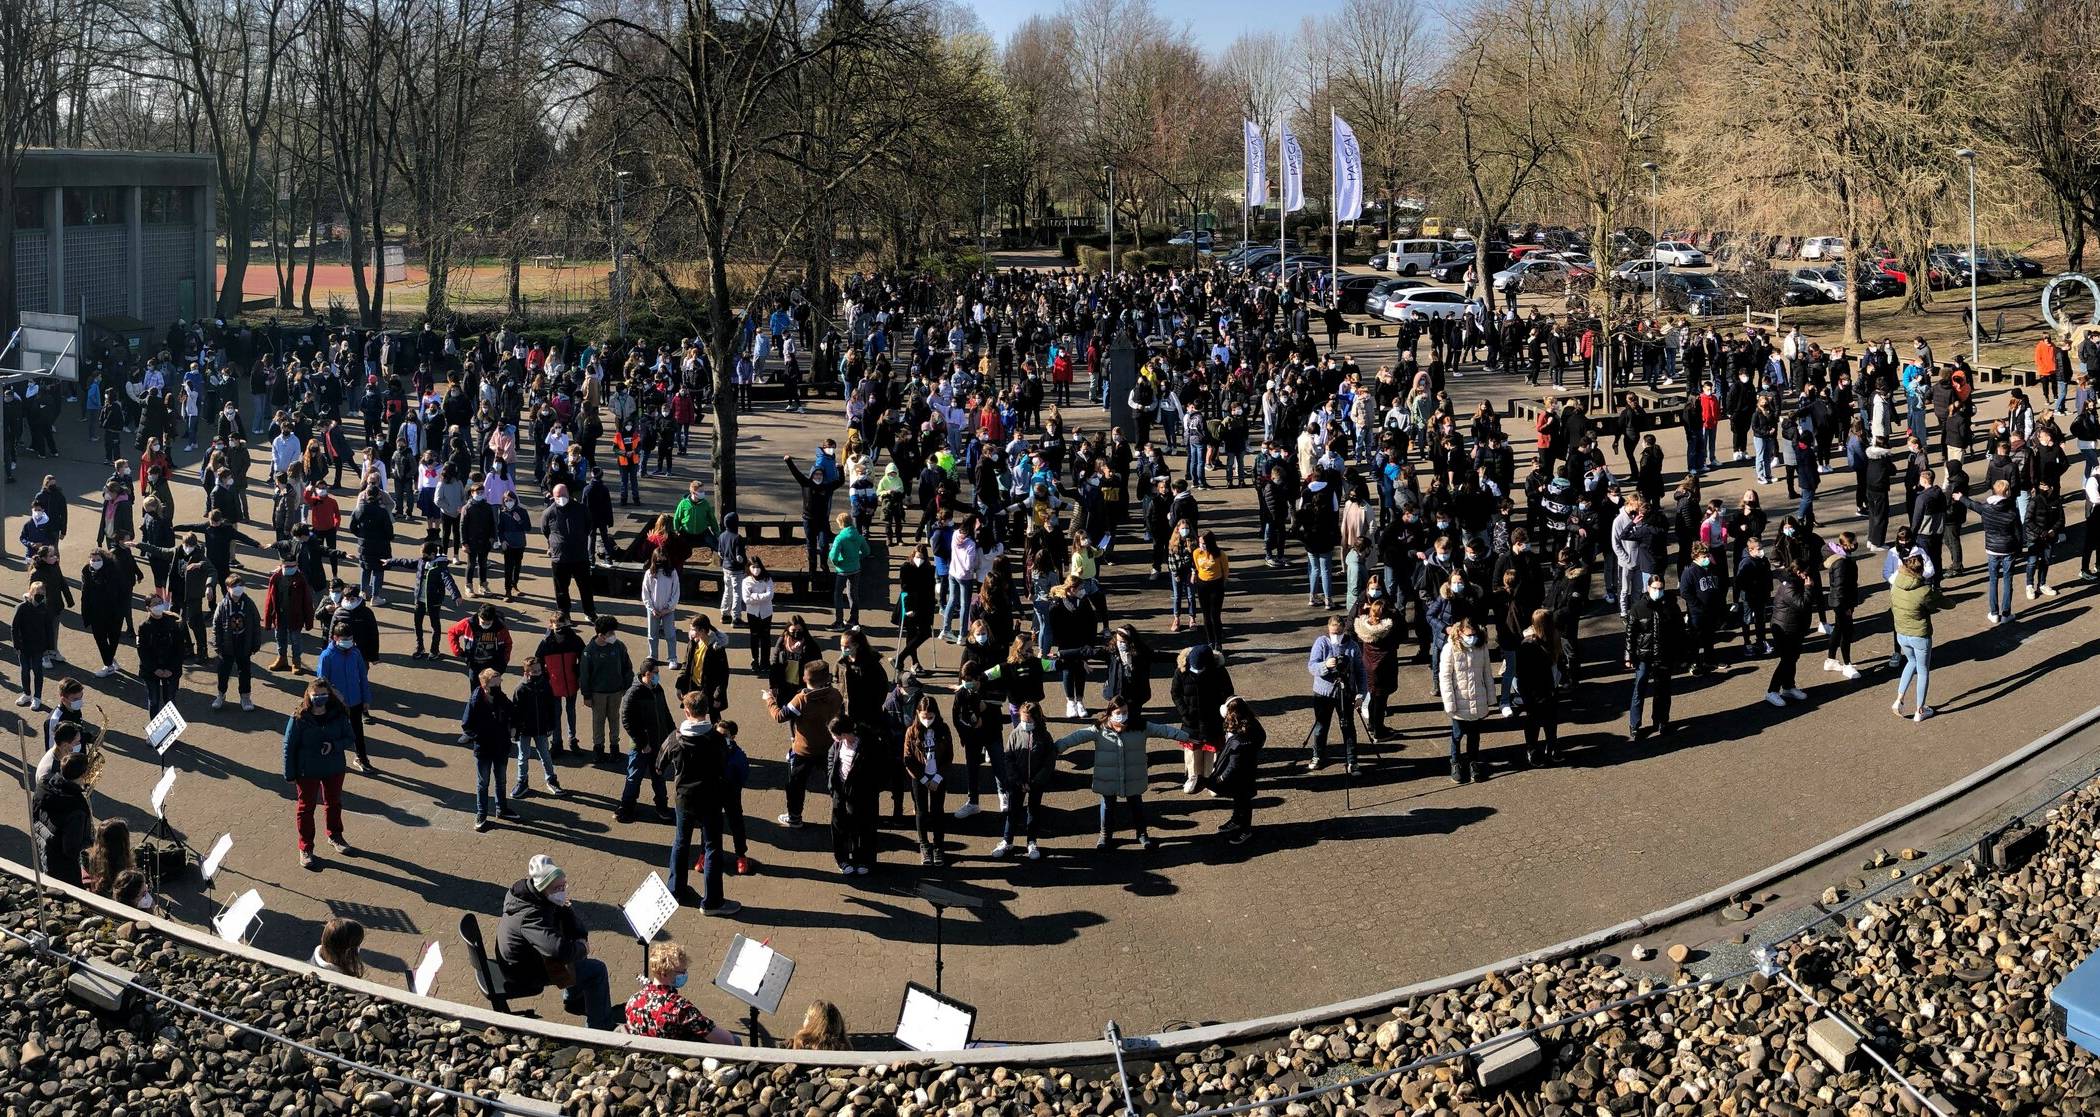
1257, 164
1293, 186
1348, 173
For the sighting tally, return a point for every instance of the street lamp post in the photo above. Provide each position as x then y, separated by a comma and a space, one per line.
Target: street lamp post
984, 171
619, 257
1654, 235
1968, 156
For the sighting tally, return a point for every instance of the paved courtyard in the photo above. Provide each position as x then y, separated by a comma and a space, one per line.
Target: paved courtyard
1349, 886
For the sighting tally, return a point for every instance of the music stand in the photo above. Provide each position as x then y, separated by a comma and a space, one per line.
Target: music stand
928, 1021
757, 975
161, 829
942, 899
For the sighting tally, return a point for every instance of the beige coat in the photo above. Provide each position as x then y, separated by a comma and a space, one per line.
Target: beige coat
1462, 676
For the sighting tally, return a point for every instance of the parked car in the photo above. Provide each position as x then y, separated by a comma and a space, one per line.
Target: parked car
1424, 302
2022, 267
1384, 289
1677, 253
1829, 281
1201, 237
1253, 261
1530, 270
1452, 267
1698, 293
1641, 270
1353, 291
1414, 256
1823, 248
1800, 292
1292, 265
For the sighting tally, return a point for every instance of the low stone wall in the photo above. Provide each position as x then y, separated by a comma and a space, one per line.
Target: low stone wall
1950, 980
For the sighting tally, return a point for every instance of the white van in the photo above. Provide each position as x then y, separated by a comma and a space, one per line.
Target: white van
1412, 257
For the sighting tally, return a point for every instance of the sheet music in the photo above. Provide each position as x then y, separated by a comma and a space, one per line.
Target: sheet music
160, 793
165, 728
212, 860
651, 906
427, 969
232, 924
749, 970
930, 1024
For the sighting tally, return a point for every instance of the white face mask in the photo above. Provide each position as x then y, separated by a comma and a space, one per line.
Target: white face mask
560, 896
561, 502
76, 704
158, 608
346, 643
926, 721
238, 591
94, 564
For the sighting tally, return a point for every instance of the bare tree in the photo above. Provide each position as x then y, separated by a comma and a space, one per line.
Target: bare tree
32, 49
1497, 89
1381, 51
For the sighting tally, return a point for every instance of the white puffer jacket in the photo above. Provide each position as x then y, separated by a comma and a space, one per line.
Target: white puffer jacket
1463, 677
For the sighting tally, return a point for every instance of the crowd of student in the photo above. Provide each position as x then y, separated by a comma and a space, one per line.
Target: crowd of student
1408, 515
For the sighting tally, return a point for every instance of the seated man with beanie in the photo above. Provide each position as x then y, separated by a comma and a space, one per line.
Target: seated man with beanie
541, 942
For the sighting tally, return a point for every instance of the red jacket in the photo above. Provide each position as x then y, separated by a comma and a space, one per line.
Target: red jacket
323, 512
559, 655
289, 602
1709, 411
463, 640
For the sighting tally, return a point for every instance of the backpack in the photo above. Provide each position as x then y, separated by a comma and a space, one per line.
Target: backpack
1789, 428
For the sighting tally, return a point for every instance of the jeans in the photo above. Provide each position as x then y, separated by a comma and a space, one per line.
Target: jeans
845, 597
630, 484
1713, 456
1998, 572
1761, 458
1194, 470
1324, 708
709, 820
529, 746
489, 770
1136, 803
590, 996
1466, 733
1354, 575
313, 793
1319, 575
288, 642
960, 591
641, 764
1917, 662
1027, 805
1183, 586
816, 541
663, 628
800, 769
1655, 681
2038, 569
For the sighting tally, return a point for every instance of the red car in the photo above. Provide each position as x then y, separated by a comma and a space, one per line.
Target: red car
1893, 268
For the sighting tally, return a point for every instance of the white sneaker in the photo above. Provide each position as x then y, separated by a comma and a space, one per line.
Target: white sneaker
1772, 696
1002, 849
2048, 591
21, 700
966, 810
1848, 671
105, 671
1897, 706
1990, 618
1922, 713
219, 703
1822, 628
247, 703
1506, 711
1796, 693
2030, 593
1188, 786
1830, 664
1034, 853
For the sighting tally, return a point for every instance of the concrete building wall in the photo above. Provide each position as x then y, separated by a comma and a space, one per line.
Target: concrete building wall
130, 234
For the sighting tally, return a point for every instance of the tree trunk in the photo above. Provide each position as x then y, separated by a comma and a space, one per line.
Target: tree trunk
721, 324
239, 213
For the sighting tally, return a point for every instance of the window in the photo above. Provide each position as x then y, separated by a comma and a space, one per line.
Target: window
164, 205
29, 209
99, 205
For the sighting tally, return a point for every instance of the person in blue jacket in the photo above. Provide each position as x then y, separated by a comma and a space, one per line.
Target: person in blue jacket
342, 665
1336, 664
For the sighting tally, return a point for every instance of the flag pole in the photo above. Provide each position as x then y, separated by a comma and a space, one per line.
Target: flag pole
1334, 210
1283, 170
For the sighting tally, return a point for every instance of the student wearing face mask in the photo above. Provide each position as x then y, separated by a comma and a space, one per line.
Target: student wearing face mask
928, 757
1655, 646
1120, 738
343, 667
236, 634
1466, 687
159, 640
540, 942
1026, 765
695, 757
513, 525
105, 606
317, 739
915, 607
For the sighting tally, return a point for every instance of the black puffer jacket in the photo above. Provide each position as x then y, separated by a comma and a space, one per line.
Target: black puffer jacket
1655, 632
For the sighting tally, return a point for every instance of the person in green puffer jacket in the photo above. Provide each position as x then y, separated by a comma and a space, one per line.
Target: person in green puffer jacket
1912, 601
695, 517
1121, 763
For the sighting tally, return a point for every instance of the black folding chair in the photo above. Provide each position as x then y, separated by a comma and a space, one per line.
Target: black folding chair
488, 972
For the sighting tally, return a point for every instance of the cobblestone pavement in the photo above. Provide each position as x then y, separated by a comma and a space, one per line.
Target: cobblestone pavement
1349, 886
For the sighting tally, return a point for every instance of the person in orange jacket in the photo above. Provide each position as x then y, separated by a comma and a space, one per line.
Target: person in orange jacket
481, 641
561, 653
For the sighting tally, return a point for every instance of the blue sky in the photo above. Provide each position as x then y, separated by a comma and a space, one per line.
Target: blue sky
1213, 23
